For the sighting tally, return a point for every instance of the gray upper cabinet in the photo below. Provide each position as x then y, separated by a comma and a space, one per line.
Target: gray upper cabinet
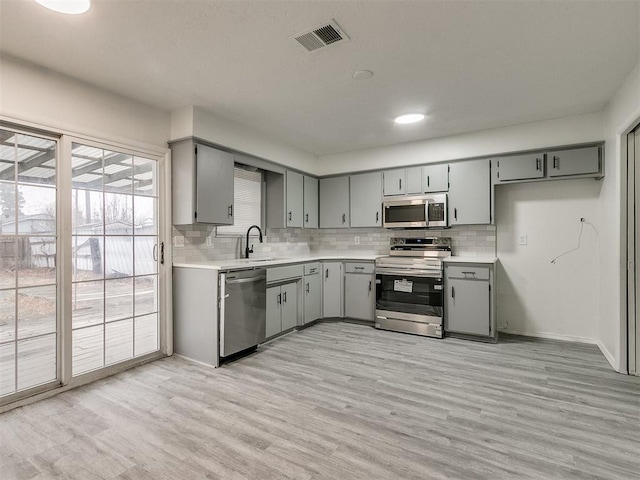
334, 202
470, 193
202, 178
394, 182
435, 178
413, 178
295, 199
577, 161
520, 167
366, 200
310, 202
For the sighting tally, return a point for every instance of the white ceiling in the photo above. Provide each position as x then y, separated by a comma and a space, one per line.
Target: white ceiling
468, 65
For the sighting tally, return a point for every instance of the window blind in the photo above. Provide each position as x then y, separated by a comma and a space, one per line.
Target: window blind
247, 203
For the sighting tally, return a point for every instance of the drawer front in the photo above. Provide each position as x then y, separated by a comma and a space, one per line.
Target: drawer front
360, 267
312, 268
282, 273
467, 272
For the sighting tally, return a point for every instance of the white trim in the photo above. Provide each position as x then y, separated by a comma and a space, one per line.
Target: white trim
115, 141
552, 336
193, 360
607, 354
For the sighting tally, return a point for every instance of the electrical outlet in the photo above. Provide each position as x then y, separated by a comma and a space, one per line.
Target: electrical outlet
178, 241
356, 240
209, 241
522, 239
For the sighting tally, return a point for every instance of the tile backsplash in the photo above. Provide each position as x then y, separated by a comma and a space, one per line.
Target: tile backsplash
470, 240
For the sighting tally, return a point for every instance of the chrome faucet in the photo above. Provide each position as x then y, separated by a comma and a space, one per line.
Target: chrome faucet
248, 250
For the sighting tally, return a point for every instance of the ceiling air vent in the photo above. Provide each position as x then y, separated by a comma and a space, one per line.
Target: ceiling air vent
321, 36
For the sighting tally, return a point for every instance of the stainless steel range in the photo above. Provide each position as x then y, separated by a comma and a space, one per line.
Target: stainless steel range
409, 292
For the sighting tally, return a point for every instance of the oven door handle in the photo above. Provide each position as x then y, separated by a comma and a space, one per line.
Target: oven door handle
408, 272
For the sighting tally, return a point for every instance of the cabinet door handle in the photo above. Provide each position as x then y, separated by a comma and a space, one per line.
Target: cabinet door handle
453, 293
344, 218
538, 164
469, 273
556, 162
306, 218
369, 285
279, 300
230, 210
428, 181
377, 217
455, 213
284, 297
399, 184
307, 287
326, 273
289, 216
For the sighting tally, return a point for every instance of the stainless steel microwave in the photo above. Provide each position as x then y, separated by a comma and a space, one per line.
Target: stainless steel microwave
421, 211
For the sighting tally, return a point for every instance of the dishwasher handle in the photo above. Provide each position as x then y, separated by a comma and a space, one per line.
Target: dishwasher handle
235, 281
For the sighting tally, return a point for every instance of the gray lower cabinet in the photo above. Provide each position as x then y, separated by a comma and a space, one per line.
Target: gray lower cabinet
469, 300
366, 199
332, 290
435, 178
282, 308
310, 202
520, 167
295, 199
334, 202
202, 189
312, 297
577, 161
470, 193
359, 291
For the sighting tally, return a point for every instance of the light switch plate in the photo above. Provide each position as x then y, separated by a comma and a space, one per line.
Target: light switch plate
522, 239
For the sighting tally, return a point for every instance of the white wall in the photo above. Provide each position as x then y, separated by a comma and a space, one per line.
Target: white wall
562, 131
36, 95
622, 113
536, 297
194, 121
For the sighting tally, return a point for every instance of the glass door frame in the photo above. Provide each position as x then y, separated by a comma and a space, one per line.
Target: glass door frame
164, 267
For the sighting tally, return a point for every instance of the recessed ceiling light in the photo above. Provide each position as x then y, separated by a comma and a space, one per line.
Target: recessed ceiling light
409, 118
72, 7
363, 75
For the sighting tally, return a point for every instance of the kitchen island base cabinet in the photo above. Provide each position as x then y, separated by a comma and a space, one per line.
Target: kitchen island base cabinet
282, 308
470, 302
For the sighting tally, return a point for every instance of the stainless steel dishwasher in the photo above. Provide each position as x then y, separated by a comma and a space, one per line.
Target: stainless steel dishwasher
243, 308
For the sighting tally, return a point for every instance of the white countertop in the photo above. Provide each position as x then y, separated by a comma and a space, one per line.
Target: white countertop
257, 262
274, 261
469, 259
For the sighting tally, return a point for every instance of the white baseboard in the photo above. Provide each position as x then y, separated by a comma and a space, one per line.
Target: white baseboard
608, 356
552, 336
569, 338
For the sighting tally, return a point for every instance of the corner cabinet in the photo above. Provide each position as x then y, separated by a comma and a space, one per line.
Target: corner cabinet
470, 192
470, 300
359, 291
366, 200
202, 184
334, 202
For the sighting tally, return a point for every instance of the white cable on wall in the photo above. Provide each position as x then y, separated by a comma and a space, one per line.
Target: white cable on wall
582, 222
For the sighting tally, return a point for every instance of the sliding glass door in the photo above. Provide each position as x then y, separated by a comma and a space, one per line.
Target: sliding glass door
80, 256
28, 268
115, 249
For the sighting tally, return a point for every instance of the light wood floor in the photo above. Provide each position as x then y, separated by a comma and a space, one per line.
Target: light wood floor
342, 401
